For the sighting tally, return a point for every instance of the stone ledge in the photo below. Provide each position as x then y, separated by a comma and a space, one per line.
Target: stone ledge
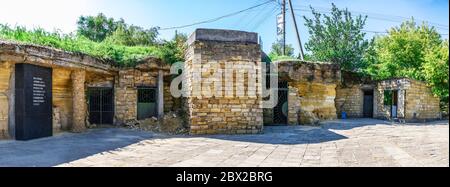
223, 36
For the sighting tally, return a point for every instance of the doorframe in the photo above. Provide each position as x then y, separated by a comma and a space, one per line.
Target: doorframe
113, 102
156, 99
373, 101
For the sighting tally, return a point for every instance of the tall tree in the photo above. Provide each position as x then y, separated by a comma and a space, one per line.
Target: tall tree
337, 37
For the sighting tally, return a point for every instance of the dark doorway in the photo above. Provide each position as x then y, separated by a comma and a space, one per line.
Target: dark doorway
146, 104
101, 106
368, 104
280, 111
33, 102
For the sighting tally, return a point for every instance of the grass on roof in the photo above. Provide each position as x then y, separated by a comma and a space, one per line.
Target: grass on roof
120, 55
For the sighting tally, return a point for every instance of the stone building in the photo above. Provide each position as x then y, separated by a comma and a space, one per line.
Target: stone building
72, 91
401, 99
45, 90
227, 53
306, 92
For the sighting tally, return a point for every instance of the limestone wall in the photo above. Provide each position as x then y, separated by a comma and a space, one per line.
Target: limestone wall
5, 75
126, 86
62, 99
222, 114
420, 103
415, 100
350, 100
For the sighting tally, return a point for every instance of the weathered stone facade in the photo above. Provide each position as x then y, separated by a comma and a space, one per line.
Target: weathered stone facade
350, 94
228, 114
73, 75
312, 90
68, 85
129, 80
6, 71
79, 100
315, 91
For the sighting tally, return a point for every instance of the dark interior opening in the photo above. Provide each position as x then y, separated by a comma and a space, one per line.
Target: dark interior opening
368, 104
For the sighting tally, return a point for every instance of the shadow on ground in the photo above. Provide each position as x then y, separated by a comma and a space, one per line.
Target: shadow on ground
66, 147
348, 124
285, 135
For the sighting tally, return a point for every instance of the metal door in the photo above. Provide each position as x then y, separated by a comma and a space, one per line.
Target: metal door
101, 105
368, 104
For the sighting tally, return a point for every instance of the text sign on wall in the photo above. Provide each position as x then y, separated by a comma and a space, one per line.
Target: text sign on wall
33, 102
38, 91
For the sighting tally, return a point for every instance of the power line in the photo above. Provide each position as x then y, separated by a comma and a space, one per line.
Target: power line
376, 16
265, 17
218, 18
255, 17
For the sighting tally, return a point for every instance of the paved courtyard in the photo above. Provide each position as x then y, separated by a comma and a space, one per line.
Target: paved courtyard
359, 142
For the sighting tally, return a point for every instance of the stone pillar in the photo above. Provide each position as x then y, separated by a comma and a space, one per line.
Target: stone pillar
79, 101
293, 106
160, 94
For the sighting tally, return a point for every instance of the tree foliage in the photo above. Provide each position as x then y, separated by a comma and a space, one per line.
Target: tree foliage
413, 51
276, 52
338, 38
99, 28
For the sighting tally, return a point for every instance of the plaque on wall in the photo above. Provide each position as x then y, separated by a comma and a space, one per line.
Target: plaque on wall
33, 102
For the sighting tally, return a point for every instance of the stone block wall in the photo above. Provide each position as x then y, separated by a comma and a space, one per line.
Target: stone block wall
350, 99
222, 114
126, 95
420, 103
62, 99
6, 70
126, 86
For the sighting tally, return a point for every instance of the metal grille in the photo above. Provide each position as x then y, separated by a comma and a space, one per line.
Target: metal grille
146, 103
146, 95
101, 105
280, 111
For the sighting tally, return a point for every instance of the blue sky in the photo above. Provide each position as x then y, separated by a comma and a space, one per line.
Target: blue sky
62, 14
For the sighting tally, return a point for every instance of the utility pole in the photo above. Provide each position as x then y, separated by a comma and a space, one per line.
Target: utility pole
284, 26
296, 30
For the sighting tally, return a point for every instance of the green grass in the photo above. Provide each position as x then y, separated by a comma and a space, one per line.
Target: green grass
117, 54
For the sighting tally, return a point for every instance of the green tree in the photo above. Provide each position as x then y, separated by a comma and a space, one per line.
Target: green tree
413, 51
337, 38
133, 36
435, 70
174, 50
99, 28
